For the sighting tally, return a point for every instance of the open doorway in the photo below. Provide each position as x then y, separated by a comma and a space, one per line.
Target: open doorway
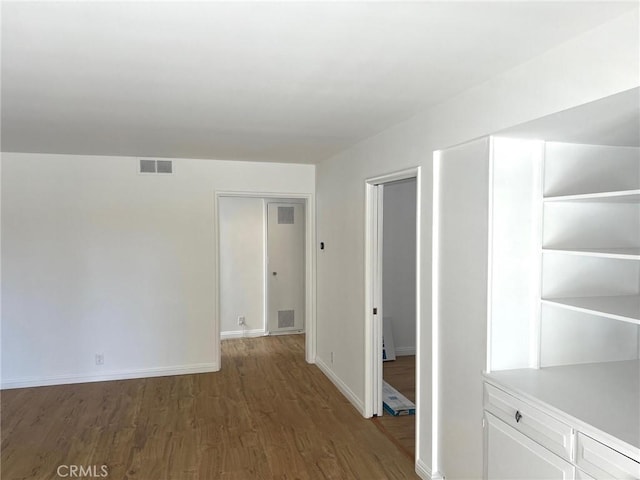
393, 308
265, 285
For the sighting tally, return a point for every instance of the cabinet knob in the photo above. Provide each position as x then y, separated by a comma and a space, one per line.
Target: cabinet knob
518, 416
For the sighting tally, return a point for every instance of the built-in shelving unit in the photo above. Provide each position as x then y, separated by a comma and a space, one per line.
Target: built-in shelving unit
582, 366
563, 356
625, 308
590, 253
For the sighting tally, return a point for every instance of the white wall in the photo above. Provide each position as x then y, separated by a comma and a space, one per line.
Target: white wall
601, 62
242, 272
463, 230
399, 263
99, 259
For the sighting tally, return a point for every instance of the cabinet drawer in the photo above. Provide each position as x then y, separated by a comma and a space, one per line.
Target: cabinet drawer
510, 454
537, 425
604, 463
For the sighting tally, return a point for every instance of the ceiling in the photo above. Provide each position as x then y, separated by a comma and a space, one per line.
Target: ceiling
613, 120
268, 81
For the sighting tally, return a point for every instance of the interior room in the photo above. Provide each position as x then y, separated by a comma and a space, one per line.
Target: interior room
148, 146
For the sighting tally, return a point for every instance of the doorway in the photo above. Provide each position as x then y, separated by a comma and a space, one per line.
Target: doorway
259, 234
393, 308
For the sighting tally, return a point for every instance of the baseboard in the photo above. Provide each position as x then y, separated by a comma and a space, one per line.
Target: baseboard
121, 375
258, 332
404, 351
422, 470
340, 385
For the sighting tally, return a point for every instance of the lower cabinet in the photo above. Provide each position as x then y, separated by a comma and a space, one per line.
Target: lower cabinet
603, 462
510, 455
525, 442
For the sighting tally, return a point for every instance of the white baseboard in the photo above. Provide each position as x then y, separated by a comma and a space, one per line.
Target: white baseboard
422, 470
102, 377
403, 351
258, 332
340, 385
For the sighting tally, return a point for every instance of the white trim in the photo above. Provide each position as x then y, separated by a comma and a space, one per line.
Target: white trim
310, 264
377, 258
422, 470
216, 278
394, 176
373, 329
405, 351
419, 411
102, 377
340, 385
257, 332
369, 269
490, 205
538, 214
265, 266
435, 318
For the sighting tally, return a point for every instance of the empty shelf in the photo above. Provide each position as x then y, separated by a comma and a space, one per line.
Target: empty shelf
623, 196
632, 253
625, 308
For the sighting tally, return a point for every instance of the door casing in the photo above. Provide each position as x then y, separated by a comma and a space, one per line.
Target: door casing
309, 265
374, 192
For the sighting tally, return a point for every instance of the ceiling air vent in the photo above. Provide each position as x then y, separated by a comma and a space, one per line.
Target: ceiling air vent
155, 166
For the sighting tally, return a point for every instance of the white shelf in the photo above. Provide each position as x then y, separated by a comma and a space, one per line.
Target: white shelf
629, 253
604, 396
624, 308
624, 196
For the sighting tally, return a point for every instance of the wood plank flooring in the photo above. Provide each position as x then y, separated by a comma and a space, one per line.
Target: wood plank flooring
267, 414
401, 375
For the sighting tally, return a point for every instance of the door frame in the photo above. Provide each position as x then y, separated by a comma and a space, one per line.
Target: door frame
373, 290
309, 266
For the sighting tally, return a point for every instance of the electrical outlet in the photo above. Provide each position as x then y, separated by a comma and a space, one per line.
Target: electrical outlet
242, 321
99, 358
331, 357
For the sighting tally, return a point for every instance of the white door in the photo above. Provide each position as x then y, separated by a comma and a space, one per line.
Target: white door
285, 267
510, 455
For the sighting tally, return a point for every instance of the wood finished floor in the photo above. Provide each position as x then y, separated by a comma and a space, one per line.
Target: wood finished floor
401, 375
266, 415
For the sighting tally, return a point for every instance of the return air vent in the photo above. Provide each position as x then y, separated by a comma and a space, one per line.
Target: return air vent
285, 215
155, 166
286, 318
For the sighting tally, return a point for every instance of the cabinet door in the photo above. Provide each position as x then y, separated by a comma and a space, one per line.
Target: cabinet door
510, 455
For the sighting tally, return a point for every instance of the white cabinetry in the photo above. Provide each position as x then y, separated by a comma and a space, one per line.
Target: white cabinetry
511, 455
537, 243
583, 362
556, 436
524, 435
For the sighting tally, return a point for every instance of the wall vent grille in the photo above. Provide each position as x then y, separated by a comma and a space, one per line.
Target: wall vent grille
286, 318
155, 166
285, 215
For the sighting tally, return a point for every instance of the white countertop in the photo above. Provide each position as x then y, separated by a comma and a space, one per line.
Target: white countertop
605, 396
